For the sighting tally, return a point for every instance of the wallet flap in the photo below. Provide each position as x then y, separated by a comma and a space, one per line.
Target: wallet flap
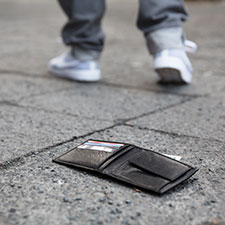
159, 165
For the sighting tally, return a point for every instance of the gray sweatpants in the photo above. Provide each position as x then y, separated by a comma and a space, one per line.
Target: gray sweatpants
159, 20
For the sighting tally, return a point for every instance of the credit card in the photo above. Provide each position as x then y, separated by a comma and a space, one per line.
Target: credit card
100, 146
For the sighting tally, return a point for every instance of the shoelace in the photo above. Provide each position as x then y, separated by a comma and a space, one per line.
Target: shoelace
190, 46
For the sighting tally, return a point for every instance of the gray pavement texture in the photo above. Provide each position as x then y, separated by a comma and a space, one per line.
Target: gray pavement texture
42, 117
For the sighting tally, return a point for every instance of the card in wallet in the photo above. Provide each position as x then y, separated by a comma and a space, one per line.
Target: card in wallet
134, 165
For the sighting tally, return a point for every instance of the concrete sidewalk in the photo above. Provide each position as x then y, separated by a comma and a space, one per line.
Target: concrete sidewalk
42, 117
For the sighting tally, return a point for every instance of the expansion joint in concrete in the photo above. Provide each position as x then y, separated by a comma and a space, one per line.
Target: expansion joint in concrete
21, 159
156, 111
174, 134
123, 86
24, 74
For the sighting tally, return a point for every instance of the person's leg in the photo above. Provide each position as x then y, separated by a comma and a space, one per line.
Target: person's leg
83, 30
84, 35
161, 22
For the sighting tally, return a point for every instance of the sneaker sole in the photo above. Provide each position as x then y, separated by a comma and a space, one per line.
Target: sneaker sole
82, 76
172, 70
169, 75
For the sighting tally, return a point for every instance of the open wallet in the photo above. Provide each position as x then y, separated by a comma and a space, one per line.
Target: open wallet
128, 163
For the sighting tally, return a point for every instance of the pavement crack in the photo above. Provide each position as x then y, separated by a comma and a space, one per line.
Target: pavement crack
174, 134
124, 121
14, 104
21, 159
151, 90
9, 103
24, 74
42, 94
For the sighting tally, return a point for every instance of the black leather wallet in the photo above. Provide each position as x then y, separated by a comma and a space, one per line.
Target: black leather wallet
134, 165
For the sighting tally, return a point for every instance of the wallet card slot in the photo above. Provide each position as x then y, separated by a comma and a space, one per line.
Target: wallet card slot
91, 154
85, 157
159, 165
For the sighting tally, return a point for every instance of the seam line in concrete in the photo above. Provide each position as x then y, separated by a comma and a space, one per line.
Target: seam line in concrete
174, 134
42, 94
13, 104
102, 83
151, 90
121, 86
123, 121
24, 74
16, 102
5, 102
19, 160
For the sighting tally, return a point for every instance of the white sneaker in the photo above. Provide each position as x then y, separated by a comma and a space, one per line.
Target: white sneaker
173, 65
66, 66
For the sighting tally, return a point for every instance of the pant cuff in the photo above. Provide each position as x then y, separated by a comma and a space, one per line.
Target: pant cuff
165, 38
82, 54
